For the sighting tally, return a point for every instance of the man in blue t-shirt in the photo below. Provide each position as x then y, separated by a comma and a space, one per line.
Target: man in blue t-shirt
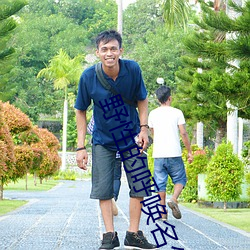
116, 125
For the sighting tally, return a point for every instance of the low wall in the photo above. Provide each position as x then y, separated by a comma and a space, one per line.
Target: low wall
71, 162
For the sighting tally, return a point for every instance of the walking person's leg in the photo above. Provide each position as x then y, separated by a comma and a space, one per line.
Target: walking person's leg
103, 163
117, 177
134, 213
107, 214
177, 173
117, 183
161, 178
178, 187
133, 166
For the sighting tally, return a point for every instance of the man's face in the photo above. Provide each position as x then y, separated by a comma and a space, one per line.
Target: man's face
109, 53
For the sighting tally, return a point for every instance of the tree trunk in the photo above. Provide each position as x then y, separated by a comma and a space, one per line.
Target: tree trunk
225, 206
35, 183
64, 144
220, 134
1, 190
26, 181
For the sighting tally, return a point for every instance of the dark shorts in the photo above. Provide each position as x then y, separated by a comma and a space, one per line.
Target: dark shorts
173, 167
136, 169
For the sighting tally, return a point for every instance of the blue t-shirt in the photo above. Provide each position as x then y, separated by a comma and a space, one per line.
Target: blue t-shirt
116, 123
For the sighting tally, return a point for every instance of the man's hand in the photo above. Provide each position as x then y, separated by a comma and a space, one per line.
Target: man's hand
82, 159
143, 139
190, 158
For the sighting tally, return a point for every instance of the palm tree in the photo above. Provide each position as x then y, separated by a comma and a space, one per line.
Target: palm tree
176, 12
63, 71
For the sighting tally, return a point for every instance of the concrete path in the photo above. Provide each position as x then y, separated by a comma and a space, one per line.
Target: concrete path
65, 218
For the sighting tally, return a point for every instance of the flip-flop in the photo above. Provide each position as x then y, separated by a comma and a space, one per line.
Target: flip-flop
175, 209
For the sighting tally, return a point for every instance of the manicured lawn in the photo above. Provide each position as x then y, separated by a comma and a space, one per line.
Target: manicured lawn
239, 217
10, 205
21, 185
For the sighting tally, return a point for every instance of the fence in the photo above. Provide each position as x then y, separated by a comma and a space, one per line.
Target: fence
72, 165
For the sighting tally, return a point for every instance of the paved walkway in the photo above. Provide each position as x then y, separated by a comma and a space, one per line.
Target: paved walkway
65, 218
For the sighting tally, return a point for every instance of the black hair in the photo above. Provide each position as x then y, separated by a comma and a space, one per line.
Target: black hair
163, 93
107, 36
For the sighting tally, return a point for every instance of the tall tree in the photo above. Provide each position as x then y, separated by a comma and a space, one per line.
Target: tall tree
7, 24
147, 41
135, 27
158, 53
46, 26
63, 71
238, 53
176, 13
208, 90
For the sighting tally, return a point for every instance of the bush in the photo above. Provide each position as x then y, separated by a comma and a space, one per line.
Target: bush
198, 166
150, 160
224, 174
15, 119
246, 153
65, 175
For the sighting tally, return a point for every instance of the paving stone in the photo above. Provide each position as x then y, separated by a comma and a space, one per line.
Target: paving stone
66, 218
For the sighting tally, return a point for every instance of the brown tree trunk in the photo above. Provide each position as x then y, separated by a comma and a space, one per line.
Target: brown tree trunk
225, 206
220, 134
1, 190
35, 183
26, 181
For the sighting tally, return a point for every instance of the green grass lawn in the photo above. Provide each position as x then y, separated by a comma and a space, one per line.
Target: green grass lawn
21, 185
7, 206
239, 217
10, 205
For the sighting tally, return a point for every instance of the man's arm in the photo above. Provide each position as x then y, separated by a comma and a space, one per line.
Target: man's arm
184, 136
81, 124
143, 115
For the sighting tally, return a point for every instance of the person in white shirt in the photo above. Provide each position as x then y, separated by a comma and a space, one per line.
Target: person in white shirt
167, 124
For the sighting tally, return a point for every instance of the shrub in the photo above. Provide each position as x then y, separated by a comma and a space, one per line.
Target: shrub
150, 160
198, 166
246, 159
24, 159
16, 120
7, 158
65, 175
49, 145
247, 176
246, 153
224, 174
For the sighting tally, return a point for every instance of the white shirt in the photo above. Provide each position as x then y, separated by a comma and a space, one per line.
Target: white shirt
165, 120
